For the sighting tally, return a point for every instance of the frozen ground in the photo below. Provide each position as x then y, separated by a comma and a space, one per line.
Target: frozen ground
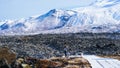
98, 62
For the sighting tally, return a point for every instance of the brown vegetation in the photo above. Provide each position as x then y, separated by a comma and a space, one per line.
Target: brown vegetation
47, 64
7, 54
75, 62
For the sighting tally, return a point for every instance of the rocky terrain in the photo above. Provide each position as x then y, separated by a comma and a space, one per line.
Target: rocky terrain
52, 45
8, 59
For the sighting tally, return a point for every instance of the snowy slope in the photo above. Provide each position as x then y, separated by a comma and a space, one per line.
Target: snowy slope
100, 16
98, 62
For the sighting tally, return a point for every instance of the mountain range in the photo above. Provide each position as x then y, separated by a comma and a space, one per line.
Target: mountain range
100, 16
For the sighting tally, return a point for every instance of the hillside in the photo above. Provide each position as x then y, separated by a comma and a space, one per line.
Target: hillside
49, 45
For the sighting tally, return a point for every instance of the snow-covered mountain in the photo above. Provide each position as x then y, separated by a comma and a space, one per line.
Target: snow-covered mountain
100, 16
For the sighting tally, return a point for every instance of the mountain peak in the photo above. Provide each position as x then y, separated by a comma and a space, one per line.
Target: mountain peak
54, 10
105, 3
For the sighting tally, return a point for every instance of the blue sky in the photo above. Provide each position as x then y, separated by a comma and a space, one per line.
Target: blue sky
16, 9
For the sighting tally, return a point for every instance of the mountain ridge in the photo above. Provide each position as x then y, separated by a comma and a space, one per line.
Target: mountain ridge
100, 16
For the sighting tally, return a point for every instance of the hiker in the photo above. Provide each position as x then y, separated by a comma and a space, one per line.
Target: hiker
65, 52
